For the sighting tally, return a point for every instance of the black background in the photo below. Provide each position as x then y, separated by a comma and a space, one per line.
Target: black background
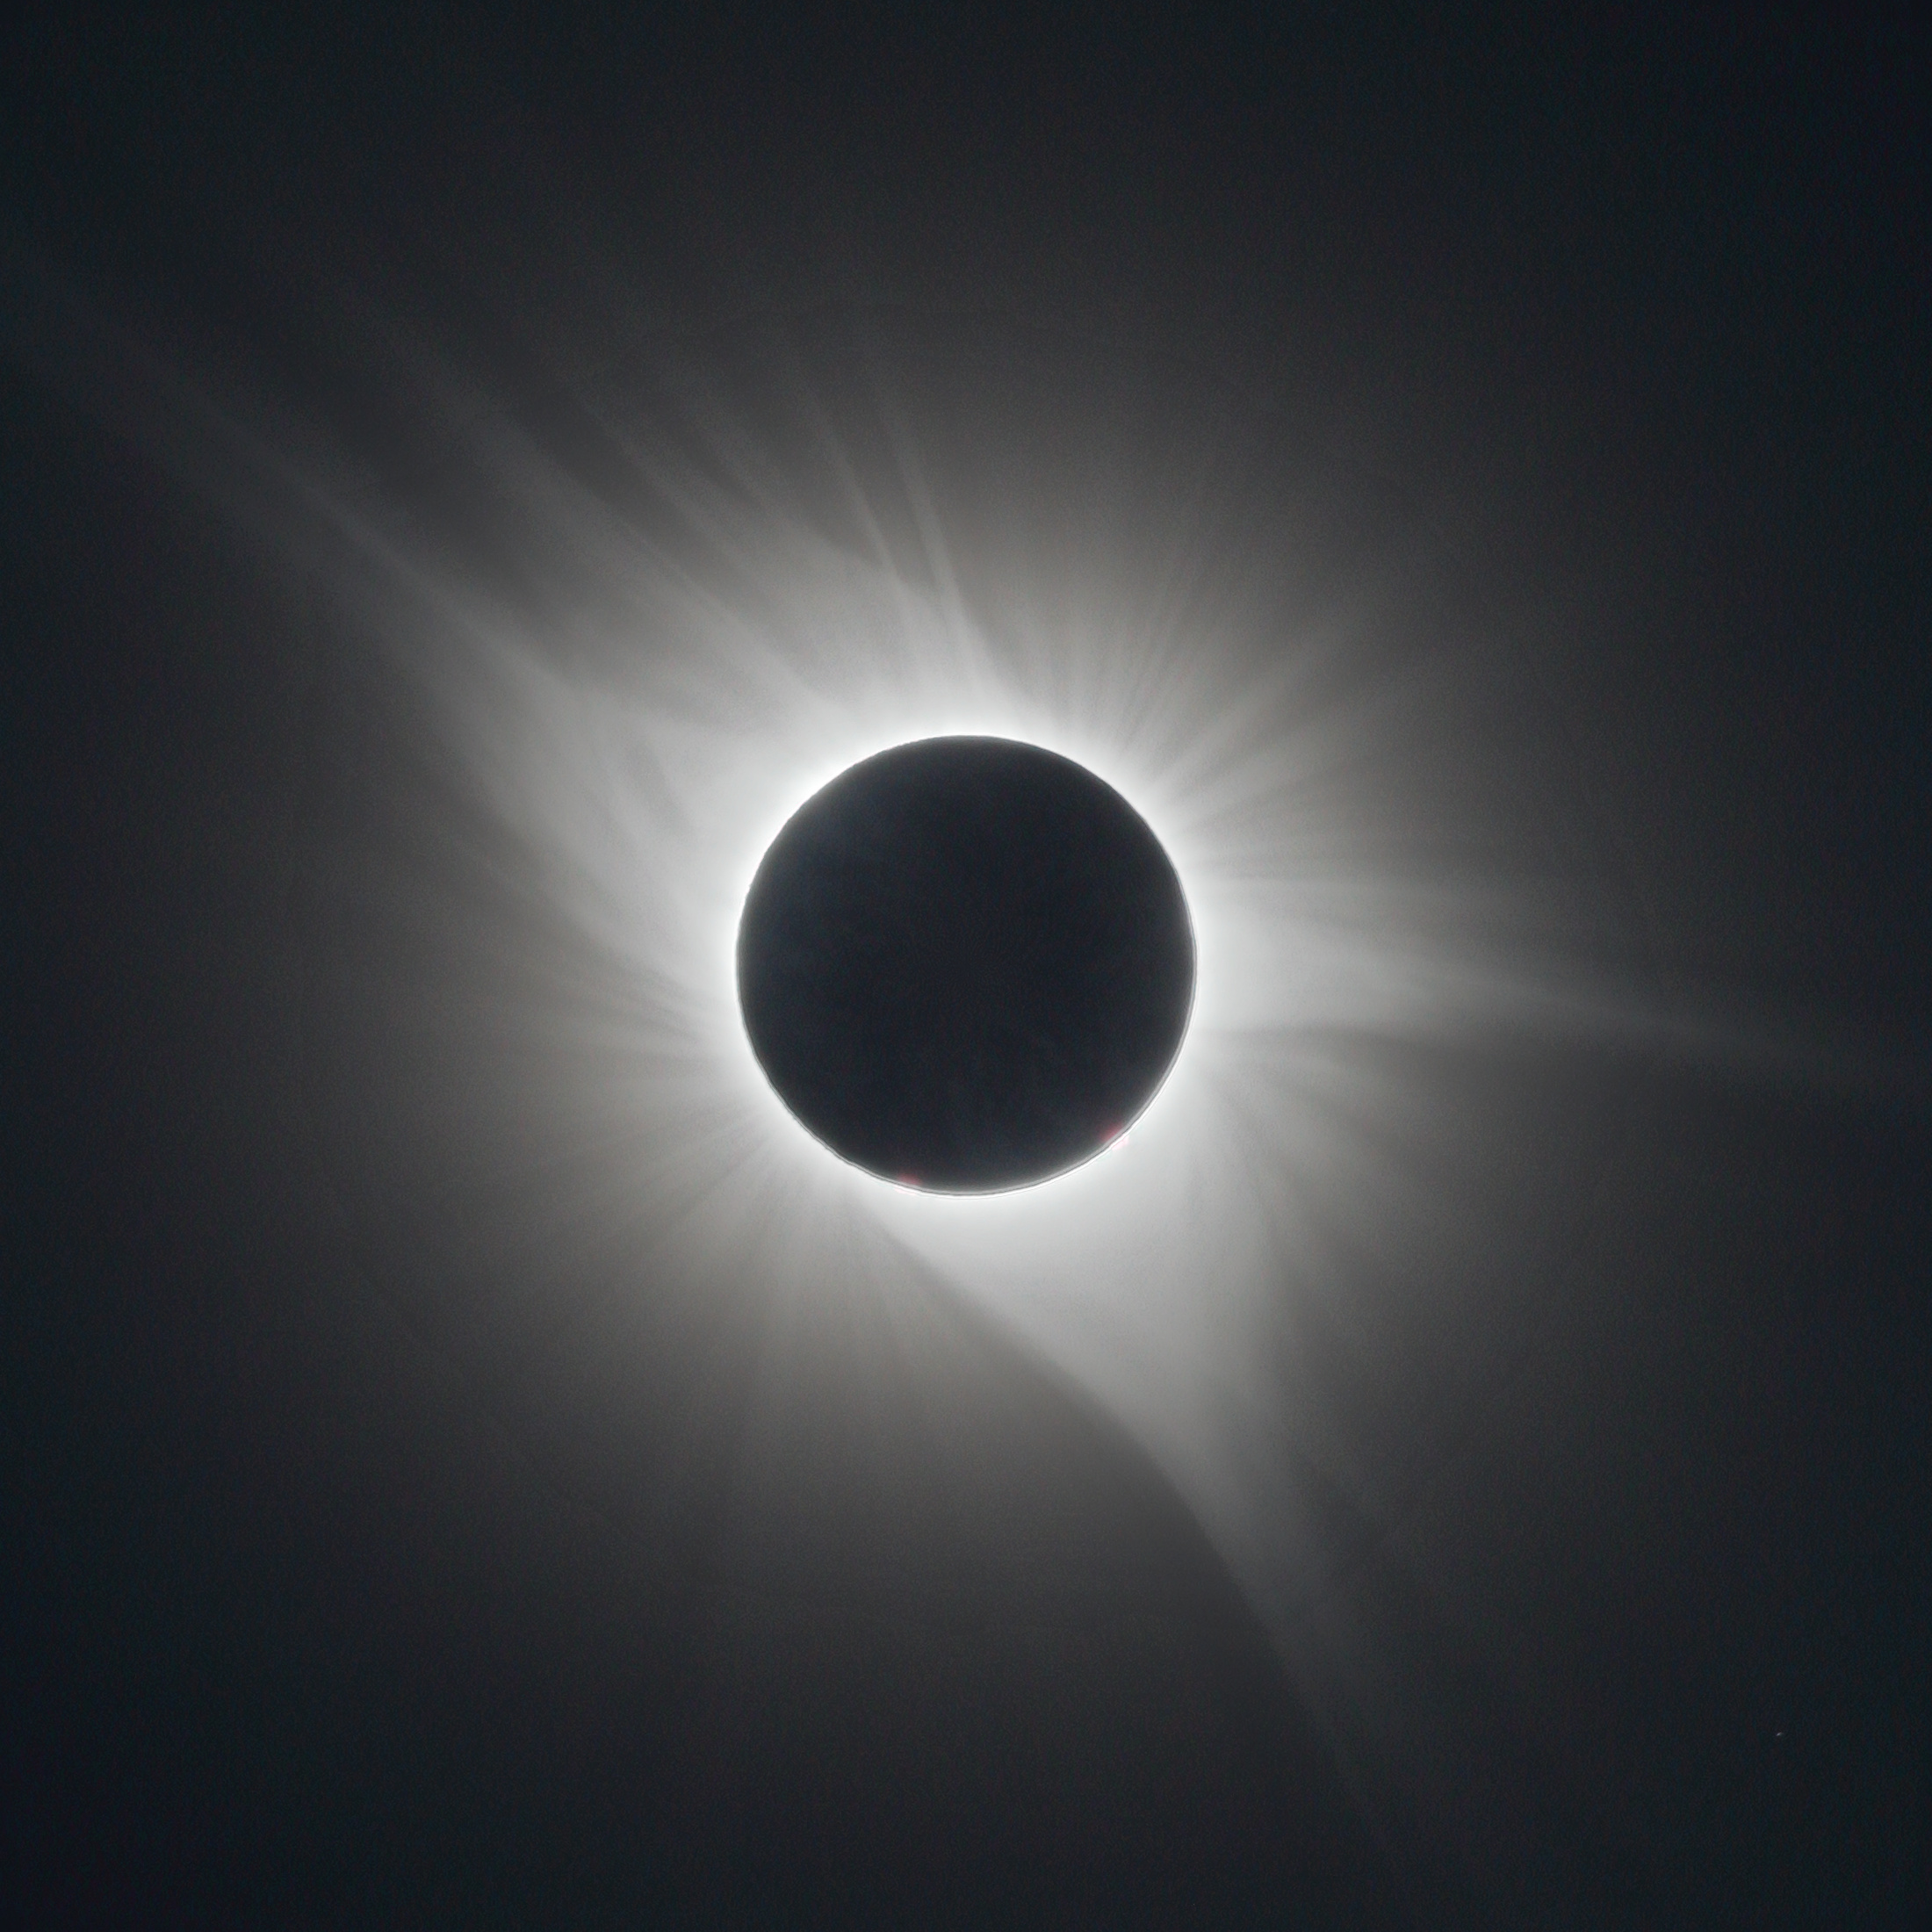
296, 1635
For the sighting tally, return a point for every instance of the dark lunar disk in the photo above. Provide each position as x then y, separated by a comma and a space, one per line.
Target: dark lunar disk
966, 964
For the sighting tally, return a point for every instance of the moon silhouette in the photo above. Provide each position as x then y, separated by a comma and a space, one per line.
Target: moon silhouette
966, 964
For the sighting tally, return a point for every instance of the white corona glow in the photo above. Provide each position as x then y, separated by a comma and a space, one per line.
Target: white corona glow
1302, 1217
1163, 1279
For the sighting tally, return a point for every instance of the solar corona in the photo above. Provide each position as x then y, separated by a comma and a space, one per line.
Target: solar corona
784, 808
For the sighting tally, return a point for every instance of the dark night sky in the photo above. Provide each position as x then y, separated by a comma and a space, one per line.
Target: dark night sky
302, 1629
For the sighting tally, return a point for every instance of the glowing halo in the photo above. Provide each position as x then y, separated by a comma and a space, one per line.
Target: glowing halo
557, 756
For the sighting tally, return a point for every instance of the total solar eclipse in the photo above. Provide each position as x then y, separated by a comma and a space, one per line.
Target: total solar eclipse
966, 964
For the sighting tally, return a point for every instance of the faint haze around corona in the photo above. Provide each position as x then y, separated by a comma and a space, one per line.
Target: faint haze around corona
576, 663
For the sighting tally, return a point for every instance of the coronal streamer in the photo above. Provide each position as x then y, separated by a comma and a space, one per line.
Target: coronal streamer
574, 670
636, 624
